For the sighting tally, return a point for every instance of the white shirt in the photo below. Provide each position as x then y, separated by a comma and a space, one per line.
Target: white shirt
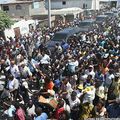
109, 78
59, 50
7, 62
79, 94
45, 59
25, 71
75, 63
84, 37
15, 71
31, 111
102, 113
100, 91
87, 72
13, 84
69, 89
89, 96
73, 103
18, 58
72, 65
10, 111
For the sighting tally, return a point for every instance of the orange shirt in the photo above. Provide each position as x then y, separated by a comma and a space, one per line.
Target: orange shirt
103, 69
49, 86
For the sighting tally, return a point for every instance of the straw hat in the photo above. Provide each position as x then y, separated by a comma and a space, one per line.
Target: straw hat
87, 89
80, 87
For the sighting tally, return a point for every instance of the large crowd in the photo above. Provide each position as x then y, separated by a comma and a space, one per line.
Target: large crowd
79, 79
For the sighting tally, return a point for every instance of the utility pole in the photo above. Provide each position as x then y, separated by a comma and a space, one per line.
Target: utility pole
49, 13
95, 5
110, 3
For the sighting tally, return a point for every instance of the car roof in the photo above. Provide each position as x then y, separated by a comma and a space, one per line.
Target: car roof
88, 20
108, 12
68, 30
102, 16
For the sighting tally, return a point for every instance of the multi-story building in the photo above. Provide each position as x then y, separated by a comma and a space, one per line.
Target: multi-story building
111, 3
84, 4
22, 8
28, 8
16, 8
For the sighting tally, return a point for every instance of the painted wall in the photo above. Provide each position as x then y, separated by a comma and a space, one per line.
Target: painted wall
23, 25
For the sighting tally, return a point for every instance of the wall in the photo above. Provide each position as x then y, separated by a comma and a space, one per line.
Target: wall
23, 25
96, 4
24, 12
0, 7
38, 10
58, 4
118, 3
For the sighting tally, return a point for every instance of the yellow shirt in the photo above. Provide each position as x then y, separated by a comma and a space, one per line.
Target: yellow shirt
117, 87
87, 108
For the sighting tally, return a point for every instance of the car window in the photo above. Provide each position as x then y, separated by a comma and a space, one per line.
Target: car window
109, 14
100, 18
59, 37
85, 24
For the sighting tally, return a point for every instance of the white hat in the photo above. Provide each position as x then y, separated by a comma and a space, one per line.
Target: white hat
1, 87
100, 92
25, 84
23, 80
106, 55
21, 63
90, 66
75, 77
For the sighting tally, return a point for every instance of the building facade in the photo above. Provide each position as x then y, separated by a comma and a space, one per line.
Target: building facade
111, 3
84, 4
16, 9
22, 8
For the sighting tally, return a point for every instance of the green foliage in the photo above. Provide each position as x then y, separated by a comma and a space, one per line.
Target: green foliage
5, 21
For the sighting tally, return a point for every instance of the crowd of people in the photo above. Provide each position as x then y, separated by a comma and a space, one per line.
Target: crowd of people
79, 79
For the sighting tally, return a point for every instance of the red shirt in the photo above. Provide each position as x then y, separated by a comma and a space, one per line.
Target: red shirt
58, 112
20, 114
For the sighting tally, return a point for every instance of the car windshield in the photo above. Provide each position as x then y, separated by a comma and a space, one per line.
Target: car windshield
115, 11
85, 24
109, 14
100, 18
59, 37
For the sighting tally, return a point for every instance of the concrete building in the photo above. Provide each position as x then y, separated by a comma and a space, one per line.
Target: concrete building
111, 3
22, 8
14, 8
83, 4
118, 3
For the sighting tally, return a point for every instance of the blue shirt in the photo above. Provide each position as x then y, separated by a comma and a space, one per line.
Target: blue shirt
43, 116
65, 46
113, 111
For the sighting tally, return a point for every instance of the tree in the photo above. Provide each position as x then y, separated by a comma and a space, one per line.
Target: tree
5, 21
